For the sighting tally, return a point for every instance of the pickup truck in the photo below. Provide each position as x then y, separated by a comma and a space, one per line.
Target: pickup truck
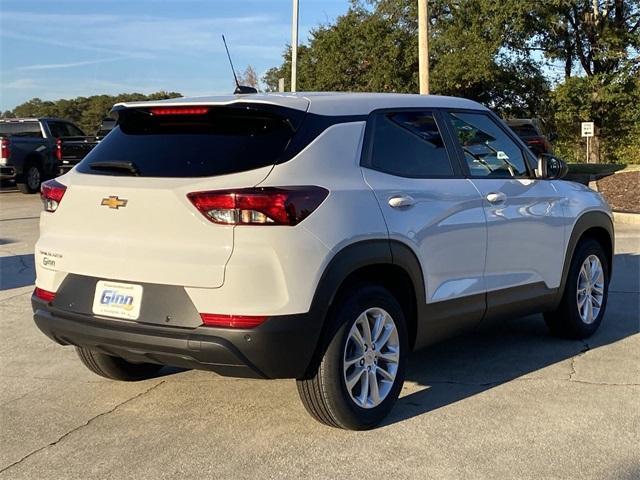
105, 127
530, 131
34, 149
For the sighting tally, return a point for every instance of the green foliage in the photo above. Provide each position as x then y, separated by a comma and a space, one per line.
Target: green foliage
374, 47
86, 112
612, 102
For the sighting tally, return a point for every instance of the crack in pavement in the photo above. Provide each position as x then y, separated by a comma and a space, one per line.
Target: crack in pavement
75, 429
19, 294
575, 358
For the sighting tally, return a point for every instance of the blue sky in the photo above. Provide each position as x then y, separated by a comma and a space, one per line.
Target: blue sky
68, 48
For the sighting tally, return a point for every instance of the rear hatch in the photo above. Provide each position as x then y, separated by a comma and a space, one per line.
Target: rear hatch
125, 214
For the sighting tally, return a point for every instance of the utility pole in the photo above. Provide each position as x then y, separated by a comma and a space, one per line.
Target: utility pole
294, 46
423, 45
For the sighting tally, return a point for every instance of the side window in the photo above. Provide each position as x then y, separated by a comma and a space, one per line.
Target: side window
488, 150
409, 144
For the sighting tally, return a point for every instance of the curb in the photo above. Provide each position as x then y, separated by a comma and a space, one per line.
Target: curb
628, 218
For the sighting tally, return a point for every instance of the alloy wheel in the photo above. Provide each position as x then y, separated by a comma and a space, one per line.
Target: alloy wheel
371, 358
590, 292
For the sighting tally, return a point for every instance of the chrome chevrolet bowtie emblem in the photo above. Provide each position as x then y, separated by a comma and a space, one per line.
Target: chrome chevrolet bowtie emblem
113, 202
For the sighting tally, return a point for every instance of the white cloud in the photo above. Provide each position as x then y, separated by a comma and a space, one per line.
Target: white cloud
49, 66
134, 36
21, 84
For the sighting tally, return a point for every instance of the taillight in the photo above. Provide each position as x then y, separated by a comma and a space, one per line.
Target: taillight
179, 110
58, 150
231, 321
44, 294
259, 206
5, 150
51, 193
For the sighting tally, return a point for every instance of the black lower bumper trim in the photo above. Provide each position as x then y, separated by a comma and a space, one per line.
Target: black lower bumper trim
279, 348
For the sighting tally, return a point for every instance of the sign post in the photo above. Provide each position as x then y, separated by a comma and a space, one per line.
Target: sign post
587, 131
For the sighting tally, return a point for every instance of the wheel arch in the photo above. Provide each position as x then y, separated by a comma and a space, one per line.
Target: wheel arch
389, 263
592, 224
32, 158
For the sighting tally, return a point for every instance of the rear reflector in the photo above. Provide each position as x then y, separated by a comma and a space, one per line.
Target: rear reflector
58, 149
5, 150
259, 206
44, 294
51, 193
179, 110
231, 321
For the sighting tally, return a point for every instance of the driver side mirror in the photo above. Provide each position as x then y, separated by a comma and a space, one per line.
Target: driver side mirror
551, 167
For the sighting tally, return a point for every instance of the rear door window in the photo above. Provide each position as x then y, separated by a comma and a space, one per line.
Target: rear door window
221, 141
409, 144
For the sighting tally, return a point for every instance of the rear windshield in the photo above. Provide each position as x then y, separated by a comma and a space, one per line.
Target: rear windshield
225, 140
525, 130
21, 129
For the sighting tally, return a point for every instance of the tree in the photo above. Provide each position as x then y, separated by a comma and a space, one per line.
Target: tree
600, 39
249, 78
601, 36
477, 52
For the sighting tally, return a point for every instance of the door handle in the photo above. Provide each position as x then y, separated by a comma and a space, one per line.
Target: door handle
496, 197
401, 201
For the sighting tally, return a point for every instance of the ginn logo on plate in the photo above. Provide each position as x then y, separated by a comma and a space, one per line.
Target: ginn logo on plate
113, 202
114, 299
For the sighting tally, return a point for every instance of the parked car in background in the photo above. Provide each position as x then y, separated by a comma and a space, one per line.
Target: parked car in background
105, 127
531, 132
34, 149
320, 237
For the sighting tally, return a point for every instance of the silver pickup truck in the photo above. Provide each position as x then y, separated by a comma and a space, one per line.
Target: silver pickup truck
34, 149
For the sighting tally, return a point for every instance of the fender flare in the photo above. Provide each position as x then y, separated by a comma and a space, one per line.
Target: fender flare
348, 260
588, 220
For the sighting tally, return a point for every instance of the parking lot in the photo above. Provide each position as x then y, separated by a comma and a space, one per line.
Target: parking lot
510, 402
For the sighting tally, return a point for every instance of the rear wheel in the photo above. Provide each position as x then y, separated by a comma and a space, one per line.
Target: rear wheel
30, 180
116, 368
362, 370
585, 295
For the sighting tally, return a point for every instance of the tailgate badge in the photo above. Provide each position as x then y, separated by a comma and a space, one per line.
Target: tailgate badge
113, 202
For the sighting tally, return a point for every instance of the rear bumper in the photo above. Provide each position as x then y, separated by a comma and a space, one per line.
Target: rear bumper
7, 173
66, 167
282, 347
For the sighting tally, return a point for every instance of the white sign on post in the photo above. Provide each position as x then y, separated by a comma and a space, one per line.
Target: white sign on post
587, 129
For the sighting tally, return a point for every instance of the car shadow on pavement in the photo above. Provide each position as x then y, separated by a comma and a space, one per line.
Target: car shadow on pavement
465, 366
17, 271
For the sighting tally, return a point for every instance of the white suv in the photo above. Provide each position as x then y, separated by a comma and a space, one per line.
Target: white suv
320, 237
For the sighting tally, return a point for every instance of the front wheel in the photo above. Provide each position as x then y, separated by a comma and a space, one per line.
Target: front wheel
585, 295
362, 370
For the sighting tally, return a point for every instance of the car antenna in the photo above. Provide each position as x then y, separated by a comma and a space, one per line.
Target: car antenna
240, 89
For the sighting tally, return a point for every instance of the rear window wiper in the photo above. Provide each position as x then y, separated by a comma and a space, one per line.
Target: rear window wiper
124, 167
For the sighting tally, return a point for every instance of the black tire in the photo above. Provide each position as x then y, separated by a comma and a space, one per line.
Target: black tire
116, 368
324, 394
30, 179
566, 321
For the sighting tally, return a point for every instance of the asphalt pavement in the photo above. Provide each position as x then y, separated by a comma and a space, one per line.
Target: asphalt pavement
510, 402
